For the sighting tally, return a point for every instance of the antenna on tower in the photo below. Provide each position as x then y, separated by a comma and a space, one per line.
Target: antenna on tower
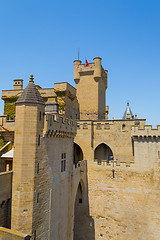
78, 53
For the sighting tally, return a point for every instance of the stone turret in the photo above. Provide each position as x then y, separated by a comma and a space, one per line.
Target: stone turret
91, 84
97, 71
29, 124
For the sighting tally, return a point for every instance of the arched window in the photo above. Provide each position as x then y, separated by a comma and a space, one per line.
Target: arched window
78, 153
103, 153
123, 127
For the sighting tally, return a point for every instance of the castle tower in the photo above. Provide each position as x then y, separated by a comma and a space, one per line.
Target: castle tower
91, 84
29, 123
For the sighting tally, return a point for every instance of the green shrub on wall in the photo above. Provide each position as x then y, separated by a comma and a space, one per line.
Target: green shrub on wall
60, 93
11, 99
9, 106
9, 109
1, 142
61, 106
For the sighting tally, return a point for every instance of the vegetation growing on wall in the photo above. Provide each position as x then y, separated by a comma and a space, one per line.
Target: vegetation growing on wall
11, 99
60, 93
9, 106
1, 142
9, 109
61, 106
61, 102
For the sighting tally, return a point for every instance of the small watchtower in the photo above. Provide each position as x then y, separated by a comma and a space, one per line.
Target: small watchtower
91, 84
29, 124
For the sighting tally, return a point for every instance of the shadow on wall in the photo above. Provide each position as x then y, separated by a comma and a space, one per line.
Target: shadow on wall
5, 213
103, 153
84, 228
78, 153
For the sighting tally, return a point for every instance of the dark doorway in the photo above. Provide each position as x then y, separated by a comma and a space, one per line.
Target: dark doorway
83, 223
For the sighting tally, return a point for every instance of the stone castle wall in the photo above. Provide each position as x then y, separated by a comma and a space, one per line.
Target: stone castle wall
58, 195
114, 133
123, 194
7, 234
146, 147
124, 207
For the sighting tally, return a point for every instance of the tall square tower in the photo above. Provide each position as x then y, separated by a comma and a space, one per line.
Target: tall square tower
91, 84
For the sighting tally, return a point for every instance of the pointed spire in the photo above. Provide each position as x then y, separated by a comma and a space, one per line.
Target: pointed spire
128, 113
30, 94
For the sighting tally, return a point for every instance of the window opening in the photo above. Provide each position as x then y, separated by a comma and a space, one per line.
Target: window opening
39, 139
63, 162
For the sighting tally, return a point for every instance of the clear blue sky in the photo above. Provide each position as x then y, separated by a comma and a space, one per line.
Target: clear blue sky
42, 37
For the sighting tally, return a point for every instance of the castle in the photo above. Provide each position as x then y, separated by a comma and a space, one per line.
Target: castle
67, 172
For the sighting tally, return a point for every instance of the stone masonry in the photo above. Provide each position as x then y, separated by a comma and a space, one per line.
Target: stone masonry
92, 179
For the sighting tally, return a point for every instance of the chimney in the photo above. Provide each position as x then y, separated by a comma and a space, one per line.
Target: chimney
18, 84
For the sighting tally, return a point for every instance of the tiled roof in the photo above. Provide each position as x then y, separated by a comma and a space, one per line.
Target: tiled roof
30, 94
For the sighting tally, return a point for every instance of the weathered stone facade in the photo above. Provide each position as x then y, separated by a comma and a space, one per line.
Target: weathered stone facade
123, 173
91, 180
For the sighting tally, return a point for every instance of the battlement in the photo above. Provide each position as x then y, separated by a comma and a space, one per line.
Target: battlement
146, 131
110, 124
80, 166
59, 126
114, 164
94, 68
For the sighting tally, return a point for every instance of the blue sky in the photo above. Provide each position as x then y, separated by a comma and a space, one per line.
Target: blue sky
43, 37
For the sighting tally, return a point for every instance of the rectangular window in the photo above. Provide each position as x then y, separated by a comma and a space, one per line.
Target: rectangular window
63, 162
39, 140
37, 168
98, 126
50, 121
37, 197
40, 116
106, 126
85, 126
62, 165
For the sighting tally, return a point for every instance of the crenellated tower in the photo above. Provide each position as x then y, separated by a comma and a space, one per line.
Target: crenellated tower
91, 84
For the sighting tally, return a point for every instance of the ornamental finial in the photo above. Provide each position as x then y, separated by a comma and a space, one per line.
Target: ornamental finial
31, 78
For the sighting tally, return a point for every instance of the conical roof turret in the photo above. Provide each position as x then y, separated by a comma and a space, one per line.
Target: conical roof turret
30, 94
128, 113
